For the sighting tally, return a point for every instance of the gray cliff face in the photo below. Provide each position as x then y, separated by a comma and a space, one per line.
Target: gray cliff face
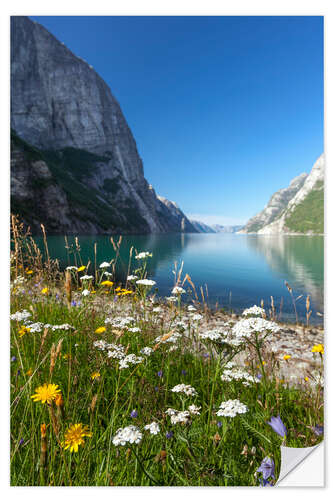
176, 217
60, 104
201, 227
275, 206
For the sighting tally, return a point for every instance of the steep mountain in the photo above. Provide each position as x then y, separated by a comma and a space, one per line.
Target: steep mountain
305, 211
201, 227
64, 115
274, 208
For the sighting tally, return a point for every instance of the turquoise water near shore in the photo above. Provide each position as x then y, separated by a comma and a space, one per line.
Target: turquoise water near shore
239, 270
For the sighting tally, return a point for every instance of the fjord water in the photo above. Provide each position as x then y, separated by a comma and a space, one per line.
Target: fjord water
239, 270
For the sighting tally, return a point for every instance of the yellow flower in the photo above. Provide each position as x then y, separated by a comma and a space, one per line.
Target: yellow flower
66, 356
286, 357
23, 330
46, 393
74, 436
264, 362
29, 372
306, 379
107, 283
117, 289
29, 271
318, 348
101, 329
93, 291
81, 268
95, 375
43, 430
45, 290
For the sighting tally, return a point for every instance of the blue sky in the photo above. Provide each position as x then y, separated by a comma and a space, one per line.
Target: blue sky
225, 110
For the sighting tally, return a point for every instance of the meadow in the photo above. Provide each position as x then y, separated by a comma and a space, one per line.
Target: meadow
112, 386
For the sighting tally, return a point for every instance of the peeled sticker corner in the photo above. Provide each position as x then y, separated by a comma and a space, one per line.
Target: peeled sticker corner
302, 467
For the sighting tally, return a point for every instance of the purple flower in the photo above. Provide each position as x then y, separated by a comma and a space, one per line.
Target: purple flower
115, 298
57, 296
169, 434
13, 359
184, 372
318, 430
259, 376
219, 424
21, 441
73, 303
205, 355
156, 388
278, 426
267, 467
160, 374
134, 413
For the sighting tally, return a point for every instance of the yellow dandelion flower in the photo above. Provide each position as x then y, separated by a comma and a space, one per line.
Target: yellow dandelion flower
264, 362
117, 289
95, 375
23, 330
29, 271
74, 437
29, 372
81, 268
306, 379
45, 290
107, 283
45, 393
318, 348
66, 356
93, 291
286, 357
101, 329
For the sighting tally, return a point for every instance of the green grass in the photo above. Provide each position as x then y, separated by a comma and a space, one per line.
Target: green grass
200, 453
308, 216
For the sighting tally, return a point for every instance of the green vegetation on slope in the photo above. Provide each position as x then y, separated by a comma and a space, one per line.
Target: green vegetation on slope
308, 216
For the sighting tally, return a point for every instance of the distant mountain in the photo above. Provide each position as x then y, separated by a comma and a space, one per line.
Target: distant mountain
226, 229
303, 213
74, 161
215, 228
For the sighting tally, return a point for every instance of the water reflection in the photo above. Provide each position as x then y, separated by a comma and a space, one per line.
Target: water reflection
296, 259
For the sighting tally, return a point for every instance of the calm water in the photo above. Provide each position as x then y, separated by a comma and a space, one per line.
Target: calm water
239, 270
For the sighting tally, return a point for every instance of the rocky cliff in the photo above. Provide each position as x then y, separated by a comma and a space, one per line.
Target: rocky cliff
62, 109
305, 211
274, 208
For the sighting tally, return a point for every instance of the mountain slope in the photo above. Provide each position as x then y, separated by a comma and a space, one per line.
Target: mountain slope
274, 208
61, 107
305, 211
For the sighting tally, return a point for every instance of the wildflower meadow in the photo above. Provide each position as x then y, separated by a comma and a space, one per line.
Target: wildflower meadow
112, 385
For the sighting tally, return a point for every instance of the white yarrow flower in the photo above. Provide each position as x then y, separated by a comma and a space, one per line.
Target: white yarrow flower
177, 290
153, 428
231, 408
254, 311
146, 282
104, 265
130, 434
186, 389
86, 277
143, 255
85, 293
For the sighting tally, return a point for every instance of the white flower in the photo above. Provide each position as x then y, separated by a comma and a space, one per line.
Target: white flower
171, 299
130, 358
254, 311
196, 317
120, 322
64, 326
177, 290
157, 309
35, 327
134, 329
211, 335
107, 274
86, 277
237, 373
147, 351
101, 344
116, 351
186, 389
146, 282
104, 264
85, 292
132, 277
20, 315
191, 308
71, 268
143, 255
245, 328
231, 408
130, 434
154, 428
194, 410
178, 417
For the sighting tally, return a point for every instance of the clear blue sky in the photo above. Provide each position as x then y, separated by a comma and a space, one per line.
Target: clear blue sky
225, 110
